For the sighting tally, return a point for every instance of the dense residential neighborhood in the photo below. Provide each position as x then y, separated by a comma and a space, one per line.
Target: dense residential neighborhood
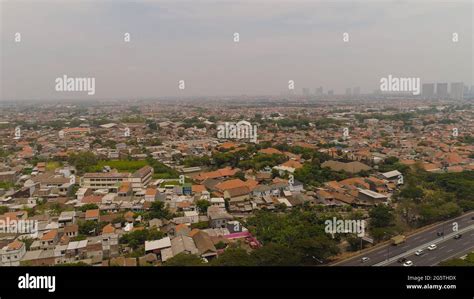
150, 183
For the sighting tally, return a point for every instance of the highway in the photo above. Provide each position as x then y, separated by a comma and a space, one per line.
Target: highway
447, 248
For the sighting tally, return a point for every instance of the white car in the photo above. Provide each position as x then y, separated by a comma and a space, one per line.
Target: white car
419, 252
432, 247
408, 264
365, 259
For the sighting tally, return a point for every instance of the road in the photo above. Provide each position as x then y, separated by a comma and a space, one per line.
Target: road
445, 250
453, 247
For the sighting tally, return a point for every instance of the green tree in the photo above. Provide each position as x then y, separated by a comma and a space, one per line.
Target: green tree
202, 205
184, 259
89, 206
234, 257
381, 216
159, 211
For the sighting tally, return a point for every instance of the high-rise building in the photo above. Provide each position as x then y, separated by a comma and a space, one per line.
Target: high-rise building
356, 90
428, 90
348, 91
319, 91
330, 92
457, 89
442, 90
306, 92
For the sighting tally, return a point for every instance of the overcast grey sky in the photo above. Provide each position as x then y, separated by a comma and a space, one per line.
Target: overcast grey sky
193, 41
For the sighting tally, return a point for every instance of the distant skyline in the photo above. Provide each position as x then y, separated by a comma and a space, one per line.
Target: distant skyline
194, 41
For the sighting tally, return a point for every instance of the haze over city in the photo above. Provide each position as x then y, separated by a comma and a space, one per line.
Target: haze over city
194, 42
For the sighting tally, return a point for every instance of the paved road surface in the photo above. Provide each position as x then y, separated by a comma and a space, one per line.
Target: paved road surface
388, 251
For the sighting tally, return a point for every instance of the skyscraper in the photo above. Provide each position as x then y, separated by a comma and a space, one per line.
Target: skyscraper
442, 90
457, 90
428, 90
348, 91
330, 92
319, 91
306, 92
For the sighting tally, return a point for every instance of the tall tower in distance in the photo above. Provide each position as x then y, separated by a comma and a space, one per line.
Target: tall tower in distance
457, 90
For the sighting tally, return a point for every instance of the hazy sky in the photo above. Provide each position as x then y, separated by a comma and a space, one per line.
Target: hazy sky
193, 41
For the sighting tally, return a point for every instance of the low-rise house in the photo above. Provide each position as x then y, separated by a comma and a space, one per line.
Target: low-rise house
156, 246
49, 239
184, 244
204, 244
76, 250
39, 258
67, 218
218, 217
71, 230
371, 197
11, 254
151, 194
92, 215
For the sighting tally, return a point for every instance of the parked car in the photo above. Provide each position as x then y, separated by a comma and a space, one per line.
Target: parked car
408, 263
458, 236
419, 252
402, 260
432, 247
364, 259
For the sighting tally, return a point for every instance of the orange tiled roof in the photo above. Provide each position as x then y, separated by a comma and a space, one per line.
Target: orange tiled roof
92, 213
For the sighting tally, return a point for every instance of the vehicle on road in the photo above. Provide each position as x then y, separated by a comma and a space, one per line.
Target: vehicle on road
440, 234
432, 247
458, 236
364, 259
419, 252
397, 240
402, 260
408, 264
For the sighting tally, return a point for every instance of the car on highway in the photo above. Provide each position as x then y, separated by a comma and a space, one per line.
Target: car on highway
408, 264
432, 247
364, 259
402, 260
419, 252
440, 234
458, 236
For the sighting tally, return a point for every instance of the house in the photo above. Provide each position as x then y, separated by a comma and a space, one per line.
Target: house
11, 254
218, 201
204, 244
182, 230
371, 197
92, 215
237, 194
110, 241
222, 173
39, 258
391, 175
71, 230
125, 189
76, 250
351, 167
156, 246
193, 216
49, 239
218, 217
151, 194
184, 244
